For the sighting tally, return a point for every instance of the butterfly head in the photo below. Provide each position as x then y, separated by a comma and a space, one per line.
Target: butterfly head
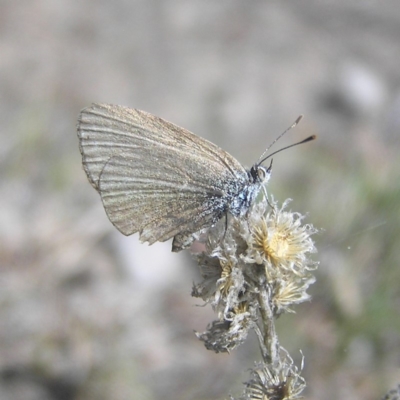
260, 174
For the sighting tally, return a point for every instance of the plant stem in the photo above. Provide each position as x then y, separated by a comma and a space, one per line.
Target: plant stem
270, 342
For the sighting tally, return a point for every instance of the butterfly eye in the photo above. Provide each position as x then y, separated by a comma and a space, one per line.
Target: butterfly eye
261, 173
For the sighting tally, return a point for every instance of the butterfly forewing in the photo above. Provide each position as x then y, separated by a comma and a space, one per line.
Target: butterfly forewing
153, 176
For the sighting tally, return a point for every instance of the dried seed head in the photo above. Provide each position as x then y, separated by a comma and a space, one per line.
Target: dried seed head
279, 241
275, 382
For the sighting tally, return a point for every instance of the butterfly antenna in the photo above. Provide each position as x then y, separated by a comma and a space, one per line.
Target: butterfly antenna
308, 139
262, 159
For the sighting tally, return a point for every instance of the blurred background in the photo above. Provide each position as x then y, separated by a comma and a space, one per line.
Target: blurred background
86, 313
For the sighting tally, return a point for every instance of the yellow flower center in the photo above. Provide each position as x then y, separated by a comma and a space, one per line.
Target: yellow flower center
277, 246
227, 281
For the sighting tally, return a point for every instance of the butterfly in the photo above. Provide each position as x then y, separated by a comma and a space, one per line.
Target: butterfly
161, 180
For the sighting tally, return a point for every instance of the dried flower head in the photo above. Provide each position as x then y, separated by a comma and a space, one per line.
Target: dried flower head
287, 292
393, 394
279, 241
275, 382
224, 335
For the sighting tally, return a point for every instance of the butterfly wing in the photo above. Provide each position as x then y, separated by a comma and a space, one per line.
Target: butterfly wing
153, 176
157, 198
